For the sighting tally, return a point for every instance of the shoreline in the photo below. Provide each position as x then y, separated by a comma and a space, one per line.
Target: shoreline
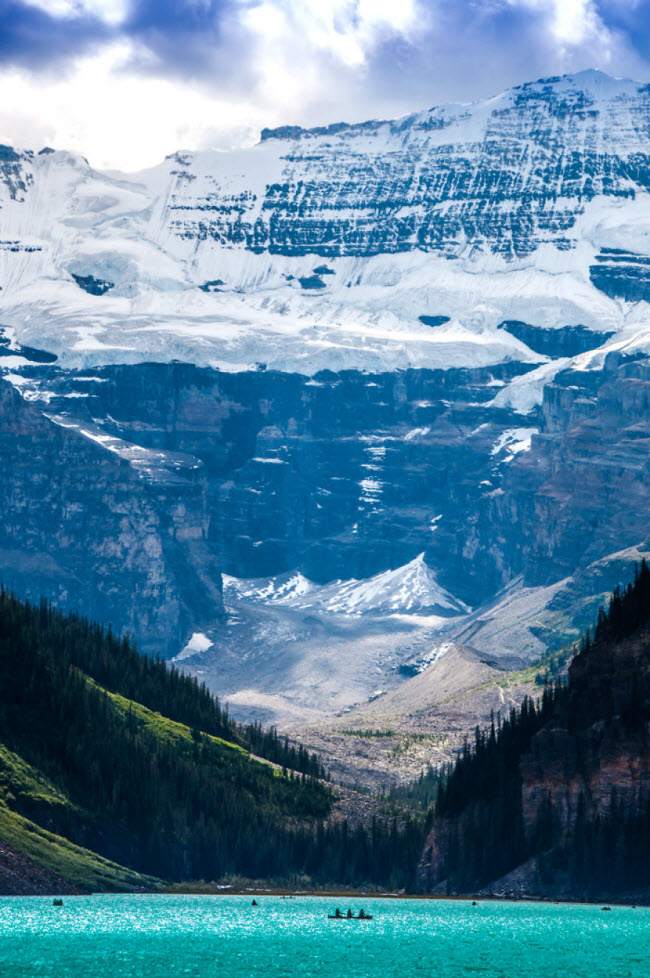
603, 903
252, 891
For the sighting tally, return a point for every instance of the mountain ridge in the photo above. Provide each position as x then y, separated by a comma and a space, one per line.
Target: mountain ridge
410, 589
594, 76
324, 356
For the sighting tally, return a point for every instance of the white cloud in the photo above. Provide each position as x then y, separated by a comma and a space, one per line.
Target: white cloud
117, 119
300, 55
571, 22
345, 30
110, 11
303, 49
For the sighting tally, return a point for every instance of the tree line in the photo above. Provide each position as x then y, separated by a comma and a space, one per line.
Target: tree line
115, 663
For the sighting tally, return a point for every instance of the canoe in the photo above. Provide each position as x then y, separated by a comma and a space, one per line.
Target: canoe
332, 916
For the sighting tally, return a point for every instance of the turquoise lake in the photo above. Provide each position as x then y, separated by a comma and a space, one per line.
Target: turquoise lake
161, 936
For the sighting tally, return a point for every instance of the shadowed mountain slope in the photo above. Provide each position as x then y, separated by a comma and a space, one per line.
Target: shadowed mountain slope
560, 788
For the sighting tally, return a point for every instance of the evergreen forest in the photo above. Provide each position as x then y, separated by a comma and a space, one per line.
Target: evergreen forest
124, 756
601, 713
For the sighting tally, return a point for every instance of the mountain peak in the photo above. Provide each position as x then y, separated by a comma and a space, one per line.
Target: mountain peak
591, 80
412, 588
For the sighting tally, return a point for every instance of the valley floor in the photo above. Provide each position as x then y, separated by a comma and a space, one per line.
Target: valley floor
391, 741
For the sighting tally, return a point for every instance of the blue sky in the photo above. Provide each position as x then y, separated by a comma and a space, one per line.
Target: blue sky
127, 81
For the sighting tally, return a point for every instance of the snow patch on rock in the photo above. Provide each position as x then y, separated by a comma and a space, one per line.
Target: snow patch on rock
197, 644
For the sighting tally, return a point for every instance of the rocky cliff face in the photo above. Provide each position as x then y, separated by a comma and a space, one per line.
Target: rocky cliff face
348, 475
592, 753
582, 490
557, 799
396, 186
124, 540
338, 476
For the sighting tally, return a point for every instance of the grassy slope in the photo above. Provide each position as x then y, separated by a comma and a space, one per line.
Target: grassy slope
165, 729
20, 781
85, 869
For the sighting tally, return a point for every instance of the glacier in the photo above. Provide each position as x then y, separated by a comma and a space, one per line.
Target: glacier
482, 213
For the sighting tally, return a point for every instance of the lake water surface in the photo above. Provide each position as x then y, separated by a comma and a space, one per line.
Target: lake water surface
161, 936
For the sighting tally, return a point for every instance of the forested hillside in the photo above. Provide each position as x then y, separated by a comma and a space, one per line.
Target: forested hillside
562, 786
139, 764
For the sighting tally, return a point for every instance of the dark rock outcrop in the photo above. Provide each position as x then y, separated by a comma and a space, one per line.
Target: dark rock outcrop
622, 274
560, 341
92, 285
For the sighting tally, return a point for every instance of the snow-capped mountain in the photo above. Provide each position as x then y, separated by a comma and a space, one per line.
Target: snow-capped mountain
310, 361
412, 589
382, 245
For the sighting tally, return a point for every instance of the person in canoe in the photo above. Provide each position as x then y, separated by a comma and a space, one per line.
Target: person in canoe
363, 915
337, 915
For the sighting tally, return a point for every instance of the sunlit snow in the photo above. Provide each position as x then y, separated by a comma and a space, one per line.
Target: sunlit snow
409, 589
198, 643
